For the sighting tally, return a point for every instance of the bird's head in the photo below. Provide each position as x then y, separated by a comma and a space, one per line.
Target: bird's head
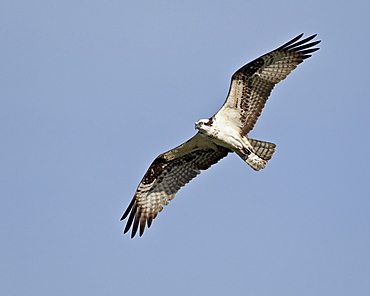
203, 125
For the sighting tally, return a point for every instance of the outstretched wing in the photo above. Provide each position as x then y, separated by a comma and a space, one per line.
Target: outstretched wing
166, 175
252, 84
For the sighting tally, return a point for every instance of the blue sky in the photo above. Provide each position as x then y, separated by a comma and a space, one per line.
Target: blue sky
93, 91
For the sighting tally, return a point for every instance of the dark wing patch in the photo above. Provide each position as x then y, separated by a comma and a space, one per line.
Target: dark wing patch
252, 84
163, 179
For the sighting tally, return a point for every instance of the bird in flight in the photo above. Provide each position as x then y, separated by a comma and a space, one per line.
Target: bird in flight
223, 133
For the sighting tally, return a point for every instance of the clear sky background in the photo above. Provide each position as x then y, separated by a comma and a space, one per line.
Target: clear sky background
92, 91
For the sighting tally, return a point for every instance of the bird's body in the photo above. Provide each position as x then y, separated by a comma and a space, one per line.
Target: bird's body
223, 133
229, 137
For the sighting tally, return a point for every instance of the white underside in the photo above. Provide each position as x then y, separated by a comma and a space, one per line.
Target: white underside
230, 137
226, 136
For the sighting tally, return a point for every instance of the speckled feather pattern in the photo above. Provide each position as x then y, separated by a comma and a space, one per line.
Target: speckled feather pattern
264, 150
250, 88
167, 180
252, 84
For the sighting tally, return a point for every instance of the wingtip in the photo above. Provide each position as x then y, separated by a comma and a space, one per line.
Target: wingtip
133, 232
128, 210
296, 43
299, 36
127, 228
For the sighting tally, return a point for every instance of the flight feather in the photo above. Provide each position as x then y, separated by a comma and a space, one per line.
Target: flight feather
252, 84
225, 132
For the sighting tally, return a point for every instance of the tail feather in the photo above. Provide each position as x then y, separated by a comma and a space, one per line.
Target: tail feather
258, 155
254, 161
264, 150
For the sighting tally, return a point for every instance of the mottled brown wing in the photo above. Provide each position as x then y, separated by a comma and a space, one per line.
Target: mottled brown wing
166, 175
252, 84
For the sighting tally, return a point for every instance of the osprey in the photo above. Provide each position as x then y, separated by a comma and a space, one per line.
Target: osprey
223, 133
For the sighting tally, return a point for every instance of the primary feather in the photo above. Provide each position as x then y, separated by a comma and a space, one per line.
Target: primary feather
226, 131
